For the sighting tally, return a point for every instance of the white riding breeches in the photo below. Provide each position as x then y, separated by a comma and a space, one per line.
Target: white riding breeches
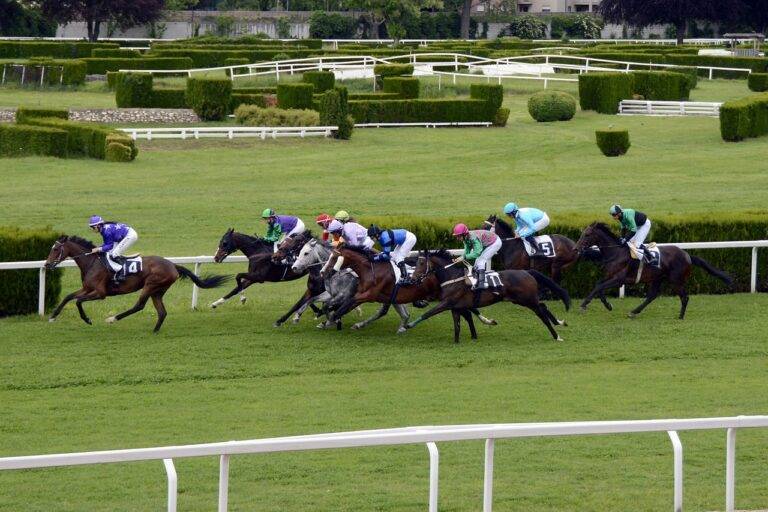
401, 251
368, 243
483, 262
539, 225
298, 229
637, 240
120, 248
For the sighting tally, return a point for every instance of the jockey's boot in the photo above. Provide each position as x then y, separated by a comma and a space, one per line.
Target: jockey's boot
647, 256
480, 283
531, 239
404, 279
119, 276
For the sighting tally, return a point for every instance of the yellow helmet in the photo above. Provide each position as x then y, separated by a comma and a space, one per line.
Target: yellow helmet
341, 216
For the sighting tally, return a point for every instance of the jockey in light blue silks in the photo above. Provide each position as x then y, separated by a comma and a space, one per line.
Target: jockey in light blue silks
396, 244
528, 222
118, 238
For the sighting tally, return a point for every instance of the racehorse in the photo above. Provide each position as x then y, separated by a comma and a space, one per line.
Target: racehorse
379, 284
620, 269
261, 269
519, 286
156, 276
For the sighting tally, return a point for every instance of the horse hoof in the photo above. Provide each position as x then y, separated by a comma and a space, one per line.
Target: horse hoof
583, 309
243, 300
402, 330
631, 315
88, 321
295, 321
559, 338
51, 320
111, 320
609, 306
277, 324
563, 323
357, 327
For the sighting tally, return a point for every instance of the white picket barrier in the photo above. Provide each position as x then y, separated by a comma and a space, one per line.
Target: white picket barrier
198, 261
230, 132
669, 108
429, 435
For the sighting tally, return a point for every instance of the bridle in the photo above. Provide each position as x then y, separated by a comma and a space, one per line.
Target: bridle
60, 246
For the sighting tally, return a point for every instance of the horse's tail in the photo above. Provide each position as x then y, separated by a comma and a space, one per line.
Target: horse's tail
546, 282
720, 274
205, 282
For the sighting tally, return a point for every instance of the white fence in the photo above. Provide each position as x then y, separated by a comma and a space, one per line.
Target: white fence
230, 132
669, 108
414, 435
200, 260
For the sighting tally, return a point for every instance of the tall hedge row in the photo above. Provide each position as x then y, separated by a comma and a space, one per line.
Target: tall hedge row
756, 64
744, 118
23, 114
54, 49
209, 97
421, 111
18, 288
86, 139
57, 71
121, 53
210, 58
603, 91
404, 87
101, 66
322, 80
758, 82
662, 85
21, 140
298, 95
334, 111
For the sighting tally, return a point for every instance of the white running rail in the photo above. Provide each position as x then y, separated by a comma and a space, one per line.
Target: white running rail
429, 435
668, 108
230, 132
198, 261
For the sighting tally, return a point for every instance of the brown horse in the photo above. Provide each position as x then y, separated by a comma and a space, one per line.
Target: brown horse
156, 276
519, 287
621, 269
377, 283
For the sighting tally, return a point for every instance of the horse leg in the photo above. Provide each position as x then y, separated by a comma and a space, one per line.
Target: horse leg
315, 309
600, 288
553, 318
143, 298
238, 288
540, 311
653, 292
485, 320
383, 310
79, 304
683, 294
439, 308
63, 303
604, 300
304, 298
402, 310
456, 325
157, 300
470, 322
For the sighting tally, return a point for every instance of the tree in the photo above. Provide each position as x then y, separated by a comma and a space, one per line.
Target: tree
756, 15
395, 12
642, 13
19, 20
124, 13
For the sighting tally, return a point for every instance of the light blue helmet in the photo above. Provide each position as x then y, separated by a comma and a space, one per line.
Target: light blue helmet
95, 220
615, 210
511, 209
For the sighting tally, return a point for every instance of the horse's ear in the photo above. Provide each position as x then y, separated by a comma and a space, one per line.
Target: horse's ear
231, 230
62, 238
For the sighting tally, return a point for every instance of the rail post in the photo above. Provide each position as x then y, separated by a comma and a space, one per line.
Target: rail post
455, 62
173, 481
223, 482
710, 73
677, 448
488, 481
41, 292
434, 467
753, 272
195, 289
730, 470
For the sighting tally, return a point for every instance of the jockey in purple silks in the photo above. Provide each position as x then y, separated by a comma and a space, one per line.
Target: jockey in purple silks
118, 237
281, 226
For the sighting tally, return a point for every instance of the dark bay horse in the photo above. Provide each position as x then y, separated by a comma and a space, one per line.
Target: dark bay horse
378, 284
620, 269
519, 287
156, 276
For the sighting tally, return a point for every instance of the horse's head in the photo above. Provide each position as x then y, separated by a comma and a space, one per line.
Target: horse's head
67, 247
226, 246
308, 255
290, 246
490, 222
596, 234
423, 267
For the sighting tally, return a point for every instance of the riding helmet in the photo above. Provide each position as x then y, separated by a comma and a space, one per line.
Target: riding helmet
374, 231
268, 213
460, 230
615, 210
510, 209
95, 220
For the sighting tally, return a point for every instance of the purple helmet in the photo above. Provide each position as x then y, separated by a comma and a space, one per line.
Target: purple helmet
335, 226
95, 220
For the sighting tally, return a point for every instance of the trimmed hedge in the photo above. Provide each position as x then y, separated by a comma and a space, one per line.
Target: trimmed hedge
381, 71
238, 99
211, 58
54, 49
744, 118
168, 98
404, 87
209, 97
73, 70
494, 94
603, 91
756, 64
334, 111
119, 53
322, 80
18, 288
235, 61
22, 140
662, 85
298, 95
421, 111
548, 106
252, 115
374, 96
25, 113
758, 82
100, 66
613, 142
86, 139
133, 90
501, 117
117, 152
112, 78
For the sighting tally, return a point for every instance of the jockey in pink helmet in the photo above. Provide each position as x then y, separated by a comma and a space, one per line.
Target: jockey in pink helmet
479, 247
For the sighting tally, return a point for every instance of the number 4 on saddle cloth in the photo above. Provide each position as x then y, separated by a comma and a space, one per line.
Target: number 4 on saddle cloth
123, 267
545, 247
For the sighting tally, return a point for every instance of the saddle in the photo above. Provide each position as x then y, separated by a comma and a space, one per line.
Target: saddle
129, 265
545, 247
651, 258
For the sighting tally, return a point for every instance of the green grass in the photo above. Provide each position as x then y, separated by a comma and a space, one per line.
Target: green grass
227, 374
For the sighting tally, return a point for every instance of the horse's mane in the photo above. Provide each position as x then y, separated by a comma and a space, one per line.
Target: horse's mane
504, 224
80, 241
441, 253
252, 241
602, 226
360, 250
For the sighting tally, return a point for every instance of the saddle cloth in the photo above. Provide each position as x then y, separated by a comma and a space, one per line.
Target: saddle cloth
492, 280
133, 264
654, 260
397, 272
546, 247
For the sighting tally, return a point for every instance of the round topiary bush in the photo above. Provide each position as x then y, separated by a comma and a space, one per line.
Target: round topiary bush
547, 106
117, 152
613, 142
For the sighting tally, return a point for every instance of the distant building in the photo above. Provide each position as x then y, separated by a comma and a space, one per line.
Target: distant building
541, 6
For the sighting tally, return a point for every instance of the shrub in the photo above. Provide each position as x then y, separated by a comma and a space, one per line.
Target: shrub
421, 111
85, 139
251, 115
295, 96
238, 99
578, 26
527, 27
281, 56
691, 73
213, 57
235, 61
18, 288
22, 140
100, 66
112, 78
374, 96
381, 71
168, 98
756, 64
548, 106
322, 80
51, 49
404, 87
501, 116
334, 111
133, 90
494, 94
119, 53
662, 85
603, 91
124, 140
613, 142
324, 25
25, 113
209, 97
117, 152
744, 118
758, 82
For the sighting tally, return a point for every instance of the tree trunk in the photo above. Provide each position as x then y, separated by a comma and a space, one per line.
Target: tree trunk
93, 27
375, 29
680, 26
465, 17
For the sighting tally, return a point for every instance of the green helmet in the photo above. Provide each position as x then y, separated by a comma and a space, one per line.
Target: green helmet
341, 216
267, 213
615, 210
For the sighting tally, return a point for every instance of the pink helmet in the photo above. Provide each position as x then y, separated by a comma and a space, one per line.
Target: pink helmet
460, 230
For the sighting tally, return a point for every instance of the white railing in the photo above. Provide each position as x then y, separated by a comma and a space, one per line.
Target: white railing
430, 435
668, 108
425, 125
200, 260
230, 132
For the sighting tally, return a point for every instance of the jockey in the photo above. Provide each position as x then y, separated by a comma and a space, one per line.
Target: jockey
396, 244
323, 220
343, 217
479, 247
281, 226
118, 238
353, 233
528, 222
635, 226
